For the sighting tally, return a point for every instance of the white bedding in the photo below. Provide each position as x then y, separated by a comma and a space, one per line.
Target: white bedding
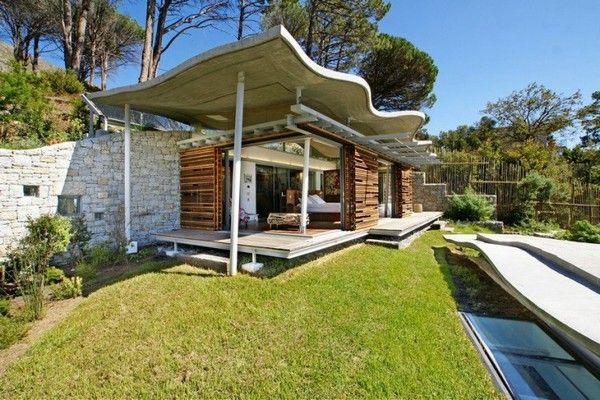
324, 208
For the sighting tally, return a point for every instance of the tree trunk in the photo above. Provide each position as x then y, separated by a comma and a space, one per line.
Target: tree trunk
308, 44
80, 35
240, 32
148, 35
67, 30
104, 72
92, 64
158, 38
35, 61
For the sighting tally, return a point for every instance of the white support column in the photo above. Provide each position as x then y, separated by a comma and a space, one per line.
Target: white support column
91, 124
126, 170
299, 94
236, 175
305, 172
318, 180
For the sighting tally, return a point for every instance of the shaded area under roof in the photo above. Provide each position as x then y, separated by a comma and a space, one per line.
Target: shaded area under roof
201, 91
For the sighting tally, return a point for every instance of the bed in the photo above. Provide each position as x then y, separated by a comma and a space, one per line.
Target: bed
322, 211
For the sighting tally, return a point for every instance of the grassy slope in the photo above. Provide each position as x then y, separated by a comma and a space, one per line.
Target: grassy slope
369, 322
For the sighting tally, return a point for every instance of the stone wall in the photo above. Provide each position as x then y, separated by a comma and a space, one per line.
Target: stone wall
431, 195
434, 197
93, 169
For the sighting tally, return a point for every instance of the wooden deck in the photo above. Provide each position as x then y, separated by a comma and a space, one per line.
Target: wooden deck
400, 227
286, 245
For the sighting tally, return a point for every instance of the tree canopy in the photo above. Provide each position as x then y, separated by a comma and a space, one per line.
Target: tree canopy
400, 75
343, 36
535, 113
589, 116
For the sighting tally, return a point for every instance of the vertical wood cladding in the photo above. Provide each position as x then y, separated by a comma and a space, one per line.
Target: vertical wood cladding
201, 186
349, 219
403, 192
361, 195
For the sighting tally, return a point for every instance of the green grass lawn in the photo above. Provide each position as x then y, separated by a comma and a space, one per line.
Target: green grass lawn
366, 322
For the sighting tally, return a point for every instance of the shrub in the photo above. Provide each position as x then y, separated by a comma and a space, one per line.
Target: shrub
584, 231
105, 254
46, 236
69, 288
61, 82
80, 237
469, 207
54, 275
532, 189
86, 270
4, 307
22, 105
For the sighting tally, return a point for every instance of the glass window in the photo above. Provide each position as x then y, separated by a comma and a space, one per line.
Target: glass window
534, 365
31, 190
68, 205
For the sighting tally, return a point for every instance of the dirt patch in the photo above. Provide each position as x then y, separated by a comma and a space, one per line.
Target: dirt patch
476, 292
55, 313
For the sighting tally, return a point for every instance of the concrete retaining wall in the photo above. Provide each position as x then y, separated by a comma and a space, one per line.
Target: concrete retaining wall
93, 169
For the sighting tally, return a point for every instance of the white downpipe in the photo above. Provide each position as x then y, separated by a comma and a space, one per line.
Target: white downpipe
305, 172
236, 174
126, 171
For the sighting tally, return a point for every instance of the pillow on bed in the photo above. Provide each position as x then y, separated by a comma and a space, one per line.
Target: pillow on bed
309, 201
316, 199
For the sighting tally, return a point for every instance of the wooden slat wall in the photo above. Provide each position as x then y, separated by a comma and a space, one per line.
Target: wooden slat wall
403, 191
360, 188
349, 218
201, 186
366, 188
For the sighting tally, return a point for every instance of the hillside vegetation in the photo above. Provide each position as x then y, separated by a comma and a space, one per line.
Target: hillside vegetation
40, 109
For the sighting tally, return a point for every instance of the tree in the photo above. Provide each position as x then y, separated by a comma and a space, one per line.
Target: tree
72, 20
167, 20
482, 138
25, 22
589, 117
334, 33
400, 75
535, 113
247, 11
289, 13
120, 47
113, 39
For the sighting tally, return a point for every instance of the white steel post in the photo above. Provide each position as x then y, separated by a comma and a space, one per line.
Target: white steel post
126, 170
305, 172
91, 124
236, 174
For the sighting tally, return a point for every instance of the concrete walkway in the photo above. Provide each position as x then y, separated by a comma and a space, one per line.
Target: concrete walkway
570, 306
582, 259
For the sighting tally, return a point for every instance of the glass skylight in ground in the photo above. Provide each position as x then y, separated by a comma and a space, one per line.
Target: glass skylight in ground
532, 363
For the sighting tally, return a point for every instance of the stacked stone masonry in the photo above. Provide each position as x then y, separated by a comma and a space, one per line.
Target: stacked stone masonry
431, 195
93, 169
434, 196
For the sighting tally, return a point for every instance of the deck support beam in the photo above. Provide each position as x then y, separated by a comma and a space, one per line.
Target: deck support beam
236, 174
127, 172
305, 172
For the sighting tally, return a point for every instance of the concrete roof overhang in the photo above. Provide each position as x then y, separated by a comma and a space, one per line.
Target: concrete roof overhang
202, 90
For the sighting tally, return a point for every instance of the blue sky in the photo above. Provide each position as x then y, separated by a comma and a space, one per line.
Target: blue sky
484, 49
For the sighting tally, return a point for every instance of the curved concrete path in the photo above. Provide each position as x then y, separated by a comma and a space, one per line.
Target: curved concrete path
582, 259
570, 306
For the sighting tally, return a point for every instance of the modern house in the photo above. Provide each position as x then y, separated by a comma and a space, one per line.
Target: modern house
291, 152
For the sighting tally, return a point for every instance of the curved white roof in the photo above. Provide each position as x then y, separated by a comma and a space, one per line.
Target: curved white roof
201, 91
